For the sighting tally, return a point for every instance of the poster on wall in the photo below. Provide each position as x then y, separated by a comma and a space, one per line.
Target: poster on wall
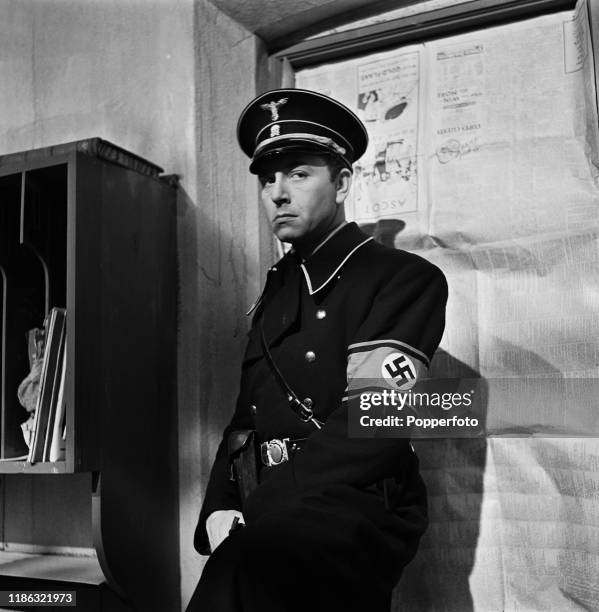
387, 101
384, 91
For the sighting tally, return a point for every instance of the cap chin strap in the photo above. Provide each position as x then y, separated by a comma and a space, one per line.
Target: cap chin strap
324, 141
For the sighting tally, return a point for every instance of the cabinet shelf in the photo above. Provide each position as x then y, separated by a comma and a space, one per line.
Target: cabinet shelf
82, 569
24, 467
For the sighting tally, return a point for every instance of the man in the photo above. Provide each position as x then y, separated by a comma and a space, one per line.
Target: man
334, 519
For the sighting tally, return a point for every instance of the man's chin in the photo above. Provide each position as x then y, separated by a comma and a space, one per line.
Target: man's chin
288, 235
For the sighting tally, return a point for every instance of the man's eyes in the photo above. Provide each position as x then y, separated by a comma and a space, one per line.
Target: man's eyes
292, 174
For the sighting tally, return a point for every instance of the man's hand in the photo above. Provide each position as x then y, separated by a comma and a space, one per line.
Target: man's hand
218, 525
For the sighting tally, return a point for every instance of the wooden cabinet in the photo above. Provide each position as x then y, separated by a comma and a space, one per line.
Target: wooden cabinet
90, 227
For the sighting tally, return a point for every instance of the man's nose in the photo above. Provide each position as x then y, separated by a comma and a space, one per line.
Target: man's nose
278, 191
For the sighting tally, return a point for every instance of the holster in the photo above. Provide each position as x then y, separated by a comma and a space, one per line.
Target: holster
242, 447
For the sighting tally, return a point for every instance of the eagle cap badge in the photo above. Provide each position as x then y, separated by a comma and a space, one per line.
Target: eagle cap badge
273, 107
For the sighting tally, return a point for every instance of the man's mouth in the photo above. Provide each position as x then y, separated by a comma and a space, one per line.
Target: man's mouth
283, 217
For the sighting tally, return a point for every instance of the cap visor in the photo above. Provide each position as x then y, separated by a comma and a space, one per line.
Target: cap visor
309, 148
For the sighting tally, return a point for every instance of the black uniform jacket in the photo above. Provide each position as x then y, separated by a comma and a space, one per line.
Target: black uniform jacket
337, 315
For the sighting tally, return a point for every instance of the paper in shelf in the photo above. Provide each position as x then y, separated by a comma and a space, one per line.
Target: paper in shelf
55, 428
50, 381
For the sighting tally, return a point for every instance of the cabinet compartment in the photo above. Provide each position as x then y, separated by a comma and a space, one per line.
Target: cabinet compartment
33, 271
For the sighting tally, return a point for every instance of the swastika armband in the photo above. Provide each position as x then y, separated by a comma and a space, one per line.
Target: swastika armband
387, 364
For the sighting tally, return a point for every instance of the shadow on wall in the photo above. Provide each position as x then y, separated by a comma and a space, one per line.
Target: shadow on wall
384, 230
211, 332
211, 338
453, 469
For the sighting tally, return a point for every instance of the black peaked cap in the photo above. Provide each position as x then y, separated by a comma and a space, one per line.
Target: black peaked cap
286, 120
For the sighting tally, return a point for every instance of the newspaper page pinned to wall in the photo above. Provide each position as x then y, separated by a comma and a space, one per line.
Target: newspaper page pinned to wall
501, 129
384, 91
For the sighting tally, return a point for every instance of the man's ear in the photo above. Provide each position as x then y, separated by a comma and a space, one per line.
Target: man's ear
342, 184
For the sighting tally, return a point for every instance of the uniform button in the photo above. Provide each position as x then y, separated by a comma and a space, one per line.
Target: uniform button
253, 409
274, 268
310, 356
321, 314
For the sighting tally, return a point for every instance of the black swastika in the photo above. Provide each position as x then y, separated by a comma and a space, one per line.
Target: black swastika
400, 368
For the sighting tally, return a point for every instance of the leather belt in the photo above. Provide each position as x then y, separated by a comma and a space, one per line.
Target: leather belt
278, 450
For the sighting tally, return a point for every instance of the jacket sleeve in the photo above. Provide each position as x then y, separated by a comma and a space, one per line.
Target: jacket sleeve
222, 493
407, 318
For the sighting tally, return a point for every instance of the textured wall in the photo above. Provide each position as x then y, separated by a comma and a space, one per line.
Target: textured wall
218, 233
122, 70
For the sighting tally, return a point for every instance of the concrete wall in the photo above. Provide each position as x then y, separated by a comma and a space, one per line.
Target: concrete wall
165, 79
120, 69
219, 252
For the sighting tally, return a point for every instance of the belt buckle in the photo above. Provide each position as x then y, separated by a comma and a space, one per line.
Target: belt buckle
274, 452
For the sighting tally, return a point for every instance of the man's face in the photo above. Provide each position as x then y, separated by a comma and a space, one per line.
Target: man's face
301, 201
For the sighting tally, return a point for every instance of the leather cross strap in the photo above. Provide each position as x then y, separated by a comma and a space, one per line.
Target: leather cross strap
305, 413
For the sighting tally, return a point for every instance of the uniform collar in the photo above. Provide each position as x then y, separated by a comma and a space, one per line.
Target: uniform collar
328, 237
331, 255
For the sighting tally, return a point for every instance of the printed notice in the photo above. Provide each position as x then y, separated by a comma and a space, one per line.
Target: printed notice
384, 91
